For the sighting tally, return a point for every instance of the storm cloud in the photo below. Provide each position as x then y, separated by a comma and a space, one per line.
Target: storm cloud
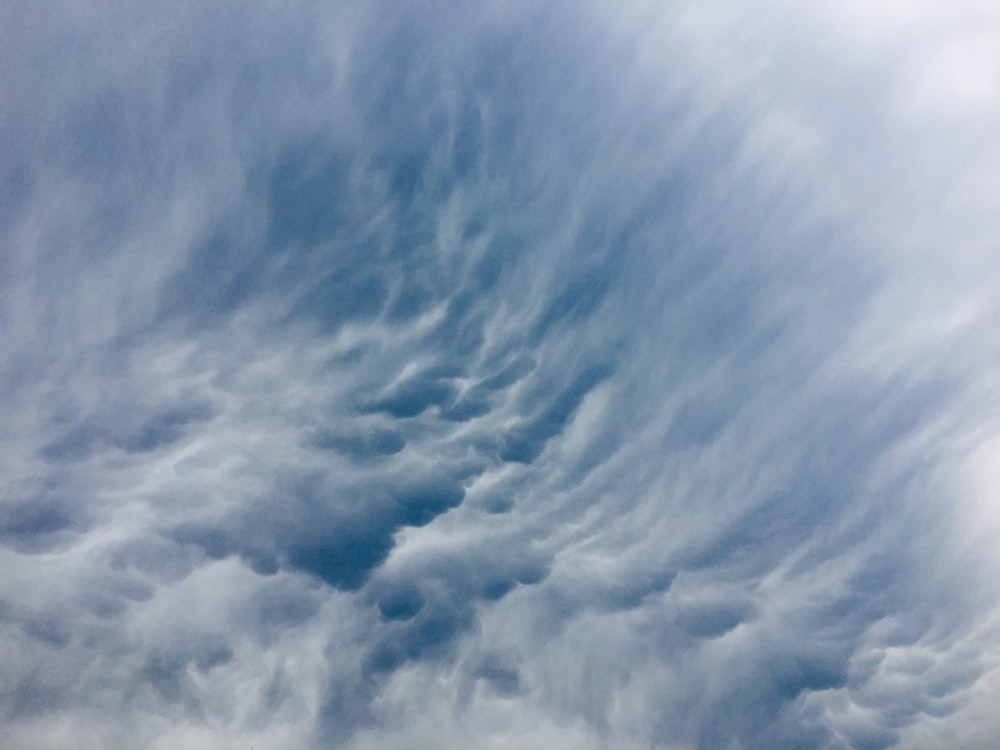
560, 375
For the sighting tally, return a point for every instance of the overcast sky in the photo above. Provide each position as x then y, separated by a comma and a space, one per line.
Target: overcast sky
499, 374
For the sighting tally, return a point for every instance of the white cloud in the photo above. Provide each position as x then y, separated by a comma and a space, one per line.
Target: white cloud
515, 377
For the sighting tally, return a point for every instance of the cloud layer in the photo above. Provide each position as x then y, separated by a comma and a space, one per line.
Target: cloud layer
404, 375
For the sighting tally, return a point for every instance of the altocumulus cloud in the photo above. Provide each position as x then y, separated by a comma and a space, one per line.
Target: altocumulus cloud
502, 374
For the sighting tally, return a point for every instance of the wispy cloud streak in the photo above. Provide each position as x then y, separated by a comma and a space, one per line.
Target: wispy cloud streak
502, 376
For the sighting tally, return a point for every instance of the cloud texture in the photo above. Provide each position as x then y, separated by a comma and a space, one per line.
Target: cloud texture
499, 375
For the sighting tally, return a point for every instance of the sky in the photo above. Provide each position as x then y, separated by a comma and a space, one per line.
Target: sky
522, 375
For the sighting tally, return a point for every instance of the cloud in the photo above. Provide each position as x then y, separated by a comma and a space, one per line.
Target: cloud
512, 376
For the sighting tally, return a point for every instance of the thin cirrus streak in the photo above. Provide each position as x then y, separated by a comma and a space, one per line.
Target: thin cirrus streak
384, 375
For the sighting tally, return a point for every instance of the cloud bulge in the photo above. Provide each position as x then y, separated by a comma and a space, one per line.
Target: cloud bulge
384, 375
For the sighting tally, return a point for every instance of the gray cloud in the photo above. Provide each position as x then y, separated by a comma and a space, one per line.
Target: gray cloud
497, 376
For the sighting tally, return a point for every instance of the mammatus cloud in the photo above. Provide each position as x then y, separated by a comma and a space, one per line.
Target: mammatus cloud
499, 376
